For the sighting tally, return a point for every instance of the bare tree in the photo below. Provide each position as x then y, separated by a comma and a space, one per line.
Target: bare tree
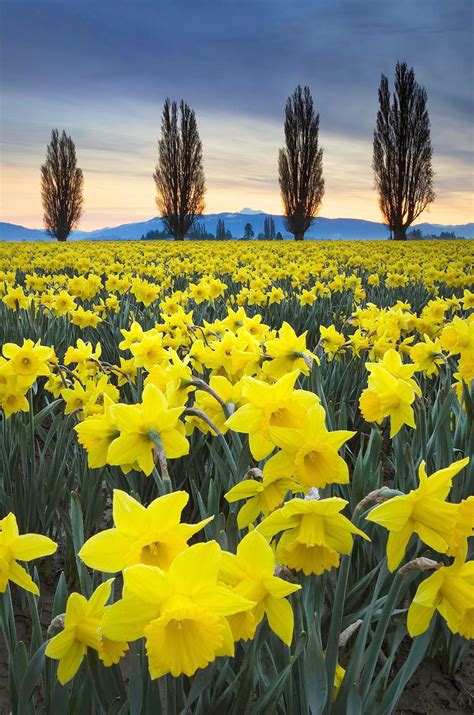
179, 173
402, 152
300, 164
61, 187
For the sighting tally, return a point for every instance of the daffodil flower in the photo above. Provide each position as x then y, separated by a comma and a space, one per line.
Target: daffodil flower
288, 352
96, 434
314, 533
450, 591
390, 393
277, 405
464, 527
251, 573
29, 360
141, 426
81, 631
182, 613
309, 454
422, 511
263, 496
331, 340
151, 535
23, 547
428, 356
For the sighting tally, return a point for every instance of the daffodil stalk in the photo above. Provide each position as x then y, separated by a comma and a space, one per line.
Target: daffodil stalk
334, 634
31, 423
194, 412
399, 582
8, 622
197, 382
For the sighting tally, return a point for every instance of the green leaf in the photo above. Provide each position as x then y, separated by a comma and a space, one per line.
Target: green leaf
31, 677
273, 692
314, 669
418, 649
200, 682
77, 522
60, 597
135, 687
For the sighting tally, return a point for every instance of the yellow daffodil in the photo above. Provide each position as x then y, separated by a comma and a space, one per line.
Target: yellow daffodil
464, 527
150, 535
277, 405
82, 353
450, 591
96, 434
390, 393
149, 351
182, 613
332, 341
307, 297
20, 547
458, 336
29, 360
428, 356
288, 352
12, 390
314, 533
263, 496
145, 427
81, 631
15, 298
251, 573
309, 454
85, 318
422, 511
134, 335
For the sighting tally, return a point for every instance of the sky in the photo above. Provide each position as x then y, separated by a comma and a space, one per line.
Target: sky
101, 69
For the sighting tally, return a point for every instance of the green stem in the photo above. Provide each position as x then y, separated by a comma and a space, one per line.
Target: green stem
32, 428
373, 651
332, 647
192, 411
8, 622
197, 382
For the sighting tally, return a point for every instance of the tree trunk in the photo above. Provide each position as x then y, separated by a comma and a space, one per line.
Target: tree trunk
179, 237
399, 234
299, 236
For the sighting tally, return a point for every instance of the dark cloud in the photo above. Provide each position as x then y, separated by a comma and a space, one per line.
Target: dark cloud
238, 57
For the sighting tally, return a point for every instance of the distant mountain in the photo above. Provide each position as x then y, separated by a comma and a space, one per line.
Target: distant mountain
249, 211
12, 232
322, 228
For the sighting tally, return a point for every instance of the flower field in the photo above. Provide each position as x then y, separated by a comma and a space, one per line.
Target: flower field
234, 477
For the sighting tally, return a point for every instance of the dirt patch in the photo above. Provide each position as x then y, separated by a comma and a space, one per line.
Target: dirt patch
431, 692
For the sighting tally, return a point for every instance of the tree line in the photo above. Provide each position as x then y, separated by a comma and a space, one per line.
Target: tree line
199, 232
401, 162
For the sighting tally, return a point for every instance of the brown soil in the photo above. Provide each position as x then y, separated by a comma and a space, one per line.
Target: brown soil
431, 692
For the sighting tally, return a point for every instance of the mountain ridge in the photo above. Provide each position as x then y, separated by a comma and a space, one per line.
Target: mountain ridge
322, 228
